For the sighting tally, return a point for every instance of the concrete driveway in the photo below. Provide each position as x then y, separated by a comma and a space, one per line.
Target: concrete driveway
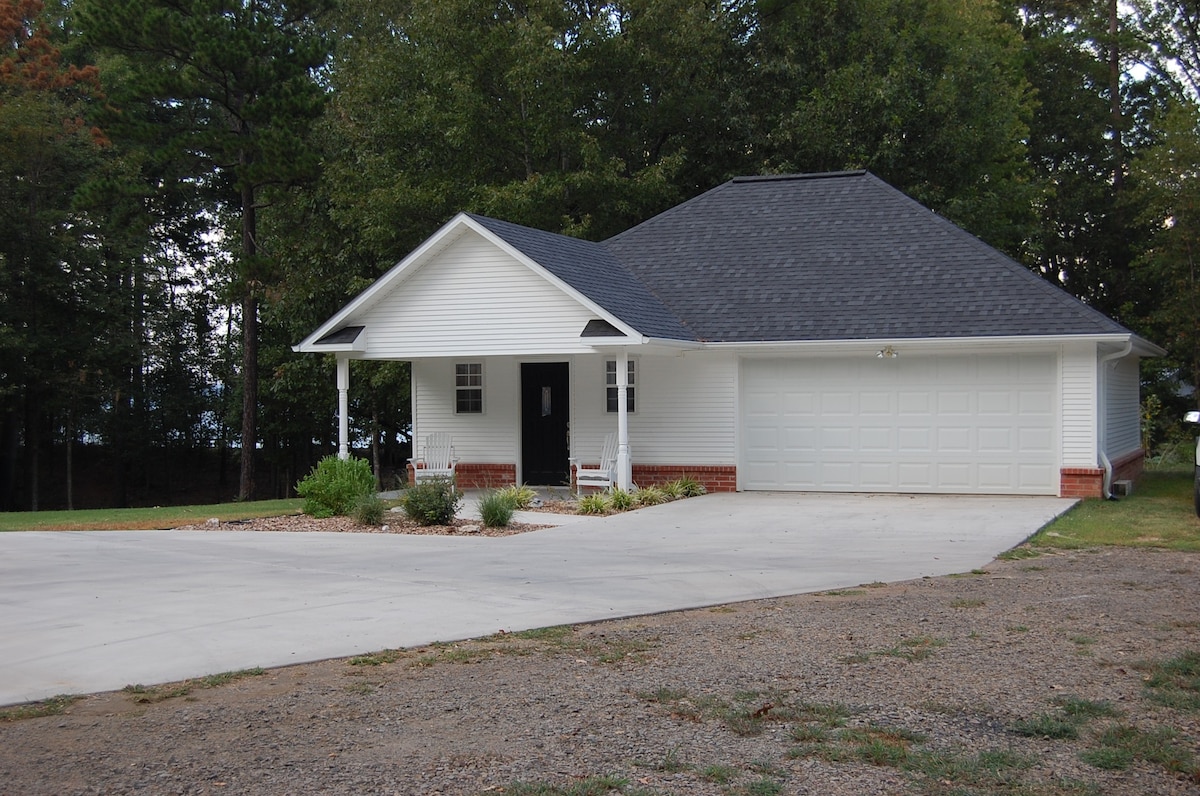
95, 611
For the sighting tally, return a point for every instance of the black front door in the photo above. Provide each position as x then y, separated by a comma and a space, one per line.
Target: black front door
545, 423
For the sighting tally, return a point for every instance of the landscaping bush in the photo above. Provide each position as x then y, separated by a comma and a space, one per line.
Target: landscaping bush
672, 490
432, 502
334, 485
650, 496
496, 508
690, 487
368, 510
594, 504
520, 496
620, 500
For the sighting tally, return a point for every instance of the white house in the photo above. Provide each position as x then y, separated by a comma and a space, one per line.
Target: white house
814, 332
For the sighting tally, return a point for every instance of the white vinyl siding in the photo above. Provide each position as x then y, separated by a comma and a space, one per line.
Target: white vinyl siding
489, 438
1079, 380
685, 409
473, 300
984, 424
1123, 408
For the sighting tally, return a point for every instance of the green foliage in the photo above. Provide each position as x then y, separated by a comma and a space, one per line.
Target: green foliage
689, 487
1120, 744
671, 490
621, 499
597, 503
1047, 725
521, 496
432, 502
1158, 514
1175, 682
335, 485
368, 510
650, 496
496, 508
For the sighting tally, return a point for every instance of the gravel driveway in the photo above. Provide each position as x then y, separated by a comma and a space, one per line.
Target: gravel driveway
919, 687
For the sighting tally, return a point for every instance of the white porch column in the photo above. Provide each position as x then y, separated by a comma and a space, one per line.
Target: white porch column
343, 388
624, 465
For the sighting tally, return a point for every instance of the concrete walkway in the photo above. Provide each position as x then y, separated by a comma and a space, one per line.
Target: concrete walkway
94, 611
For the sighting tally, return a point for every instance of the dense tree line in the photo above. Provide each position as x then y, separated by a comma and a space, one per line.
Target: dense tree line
188, 187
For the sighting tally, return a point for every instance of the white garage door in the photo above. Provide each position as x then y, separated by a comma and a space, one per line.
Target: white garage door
952, 424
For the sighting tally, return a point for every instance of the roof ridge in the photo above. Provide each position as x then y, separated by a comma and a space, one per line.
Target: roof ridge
815, 175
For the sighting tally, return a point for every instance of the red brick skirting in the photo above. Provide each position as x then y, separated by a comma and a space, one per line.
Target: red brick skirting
1088, 482
713, 478
469, 475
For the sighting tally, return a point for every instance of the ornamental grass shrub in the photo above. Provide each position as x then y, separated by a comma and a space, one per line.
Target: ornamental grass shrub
335, 485
521, 496
496, 508
368, 510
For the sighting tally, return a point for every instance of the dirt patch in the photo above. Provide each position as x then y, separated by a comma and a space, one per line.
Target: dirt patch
929, 686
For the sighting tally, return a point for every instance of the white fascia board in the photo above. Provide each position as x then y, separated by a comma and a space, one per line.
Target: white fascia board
397, 273
610, 344
932, 344
533, 265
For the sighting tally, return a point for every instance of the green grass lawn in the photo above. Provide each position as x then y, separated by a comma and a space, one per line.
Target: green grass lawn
1158, 514
142, 519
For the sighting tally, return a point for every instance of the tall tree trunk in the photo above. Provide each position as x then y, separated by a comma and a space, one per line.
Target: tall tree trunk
249, 347
1114, 96
71, 459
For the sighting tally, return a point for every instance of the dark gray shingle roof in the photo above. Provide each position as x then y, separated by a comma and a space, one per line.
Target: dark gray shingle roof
839, 256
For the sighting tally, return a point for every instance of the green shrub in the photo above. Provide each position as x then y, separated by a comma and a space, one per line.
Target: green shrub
334, 485
368, 510
691, 487
521, 496
672, 490
432, 502
620, 500
650, 496
594, 504
496, 508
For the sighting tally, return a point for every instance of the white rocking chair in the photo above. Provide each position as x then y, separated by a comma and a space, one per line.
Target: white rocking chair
438, 459
602, 476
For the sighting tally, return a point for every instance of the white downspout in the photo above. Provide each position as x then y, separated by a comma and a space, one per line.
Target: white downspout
624, 466
1102, 440
343, 388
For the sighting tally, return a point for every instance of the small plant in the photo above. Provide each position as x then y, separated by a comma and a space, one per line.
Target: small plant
650, 496
718, 773
334, 485
620, 499
672, 490
594, 504
691, 487
521, 496
368, 510
432, 502
1175, 682
54, 706
1047, 725
1121, 744
496, 509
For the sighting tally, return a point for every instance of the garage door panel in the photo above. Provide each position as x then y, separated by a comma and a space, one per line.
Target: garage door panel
954, 403
954, 439
961, 424
875, 439
914, 439
913, 403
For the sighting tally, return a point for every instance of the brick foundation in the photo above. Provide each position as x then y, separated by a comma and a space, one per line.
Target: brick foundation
470, 475
713, 478
1088, 482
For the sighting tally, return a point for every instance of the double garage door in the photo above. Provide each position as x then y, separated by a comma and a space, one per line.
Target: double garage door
950, 424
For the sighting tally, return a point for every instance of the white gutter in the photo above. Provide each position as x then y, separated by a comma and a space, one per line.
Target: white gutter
1102, 420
